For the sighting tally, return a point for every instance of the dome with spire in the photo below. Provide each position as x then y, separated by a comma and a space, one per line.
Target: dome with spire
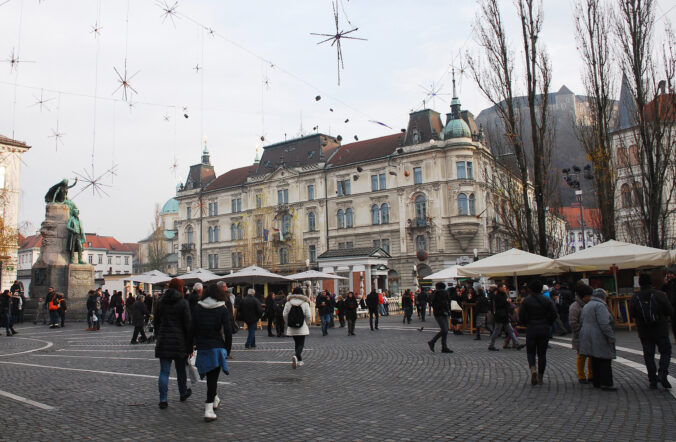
455, 127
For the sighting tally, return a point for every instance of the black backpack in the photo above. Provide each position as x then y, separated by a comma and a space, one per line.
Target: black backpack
296, 317
648, 314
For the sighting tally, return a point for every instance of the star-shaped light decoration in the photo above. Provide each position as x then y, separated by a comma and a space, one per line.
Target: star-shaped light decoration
335, 39
211, 32
432, 92
166, 117
58, 137
131, 105
124, 79
14, 61
95, 182
169, 11
96, 30
174, 166
197, 68
42, 102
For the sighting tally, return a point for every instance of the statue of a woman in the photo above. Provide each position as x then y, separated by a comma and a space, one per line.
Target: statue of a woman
58, 193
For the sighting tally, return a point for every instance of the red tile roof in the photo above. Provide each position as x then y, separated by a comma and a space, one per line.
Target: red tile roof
663, 108
132, 246
232, 178
105, 242
30, 242
366, 150
592, 217
10, 142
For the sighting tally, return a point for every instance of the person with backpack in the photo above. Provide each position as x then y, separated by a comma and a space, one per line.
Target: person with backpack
297, 318
538, 314
650, 309
350, 307
441, 306
372, 304
597, 339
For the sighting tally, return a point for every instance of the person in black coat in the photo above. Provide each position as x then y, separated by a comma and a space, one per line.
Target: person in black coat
650, 309
441, 306
5, 311
210, 327
249, 311
372, 304
172, 328
407, 305
340, 307
138, 313
92, 313
421, 303
270, 312
350, 307
117, 305
325, 310
501, 315
669, 289
481, 308
538, 314
278, 311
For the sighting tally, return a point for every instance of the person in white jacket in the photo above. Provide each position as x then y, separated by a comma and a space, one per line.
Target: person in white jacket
297, 299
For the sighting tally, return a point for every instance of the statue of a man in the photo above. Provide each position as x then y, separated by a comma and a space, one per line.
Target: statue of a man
58, 193
76, 236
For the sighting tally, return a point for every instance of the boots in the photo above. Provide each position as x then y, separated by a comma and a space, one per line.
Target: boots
209, 414
217, 402
539, 378
533, 376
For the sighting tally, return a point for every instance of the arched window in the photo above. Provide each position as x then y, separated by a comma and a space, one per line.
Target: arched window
349, 221
210, 234
286, 223
625, 192
188, 262
283, 256
420, 242
189, 234
233, 232
622, 157
375, 214
472, 205
239, 231
341, 219
463, 207
259, 228
311, 221
217, 232
421, 210
384, 213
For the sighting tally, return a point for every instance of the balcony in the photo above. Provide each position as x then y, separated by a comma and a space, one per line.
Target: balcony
419, 224
464, 228
187, 248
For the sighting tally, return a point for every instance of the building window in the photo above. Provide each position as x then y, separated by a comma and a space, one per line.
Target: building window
237, 259
118, 260
579, 236
126, 260
286, 224
215, 259
189, 234
384, 213
100, 259
110, 260
215, 204
188, 262
421, 210
341, 219
259, 258
374, 182
345, 245
188, 212
349, 221
259, 201
417, 175
211, 209
622, 157
312, 252
465, 170
311, 221
175, 224
463, 207
625, 192
217, 232
382, 182
259, 228
311, 192
236, 231
210, 234
210, 262
344, 187
236, 205
375, 214
283, 196
420, 242
283, 256
385, 245
90, 258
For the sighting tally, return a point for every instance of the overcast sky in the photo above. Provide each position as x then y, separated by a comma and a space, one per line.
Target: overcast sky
411, 45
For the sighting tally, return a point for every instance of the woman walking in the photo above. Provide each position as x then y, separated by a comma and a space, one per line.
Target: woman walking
350, 307
270, 312
172, 325
6, 313
597, 339
297, 318
538, 314
210, 328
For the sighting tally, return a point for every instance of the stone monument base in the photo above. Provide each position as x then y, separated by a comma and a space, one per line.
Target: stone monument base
73, 280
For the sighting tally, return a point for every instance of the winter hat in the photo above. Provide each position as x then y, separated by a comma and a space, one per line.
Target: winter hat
297, 291
440, 286
599, 293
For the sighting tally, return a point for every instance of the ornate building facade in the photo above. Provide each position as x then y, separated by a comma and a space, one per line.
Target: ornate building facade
394, 207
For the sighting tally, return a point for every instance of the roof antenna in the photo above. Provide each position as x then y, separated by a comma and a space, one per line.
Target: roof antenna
453, 78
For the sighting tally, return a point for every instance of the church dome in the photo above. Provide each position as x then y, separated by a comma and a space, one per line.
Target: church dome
456, 128
171, 206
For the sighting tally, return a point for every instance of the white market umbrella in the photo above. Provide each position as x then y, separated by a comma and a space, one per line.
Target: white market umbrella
313, 275
151, 277
253, 275
442, 275
198, 275
615, 253
513, 262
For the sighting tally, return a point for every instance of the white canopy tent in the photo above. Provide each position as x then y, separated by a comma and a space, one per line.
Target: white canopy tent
513, 262
445, 274
614, 253
198, 275
313, 275
253, 275
151, 277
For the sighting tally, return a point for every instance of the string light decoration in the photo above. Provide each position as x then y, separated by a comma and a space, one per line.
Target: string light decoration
95, 182
169, 11
124, 79
432, 92
14, 60
336, 38
42, 102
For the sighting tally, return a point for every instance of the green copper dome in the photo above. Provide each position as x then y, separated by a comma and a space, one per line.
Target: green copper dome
456, 128
170, 206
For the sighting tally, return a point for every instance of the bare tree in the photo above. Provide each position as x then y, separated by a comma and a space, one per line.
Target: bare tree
157, 253
650, 78
593, 25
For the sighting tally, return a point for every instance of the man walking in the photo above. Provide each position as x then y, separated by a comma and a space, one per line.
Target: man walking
407, 305
481, 308
422, 305
250, 312
325, 309
502, 320
584, 293
441, 306
669, 289
650, 308
372, 304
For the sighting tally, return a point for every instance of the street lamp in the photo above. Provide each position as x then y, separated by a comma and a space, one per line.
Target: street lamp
572, 177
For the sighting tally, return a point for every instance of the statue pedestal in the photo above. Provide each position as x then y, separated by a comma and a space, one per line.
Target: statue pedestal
53, 267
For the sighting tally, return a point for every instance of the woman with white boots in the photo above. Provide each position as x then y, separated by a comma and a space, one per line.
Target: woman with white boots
210, 327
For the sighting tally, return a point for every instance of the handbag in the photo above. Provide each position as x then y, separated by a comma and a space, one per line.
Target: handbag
455, 307
192, 370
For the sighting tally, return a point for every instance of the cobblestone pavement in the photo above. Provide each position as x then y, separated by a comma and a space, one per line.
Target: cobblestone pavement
69, 384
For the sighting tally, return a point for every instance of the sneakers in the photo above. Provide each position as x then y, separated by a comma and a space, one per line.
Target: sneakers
294, 362
163, 405
186, 395
430, 344
217, 402
209, 415
301, 363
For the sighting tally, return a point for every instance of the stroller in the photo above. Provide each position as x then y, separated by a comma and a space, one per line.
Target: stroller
150, 330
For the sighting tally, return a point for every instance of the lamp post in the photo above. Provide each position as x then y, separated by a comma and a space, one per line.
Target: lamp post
572, 177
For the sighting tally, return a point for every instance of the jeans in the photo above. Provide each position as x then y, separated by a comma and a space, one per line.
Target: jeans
481, 322
8, 323
326, 320
423, 311
537, 338
603, 372
373, 312
499, 326
443, 332
580, 367
163, 380
251, 334
54, 318
299, 342
664, 347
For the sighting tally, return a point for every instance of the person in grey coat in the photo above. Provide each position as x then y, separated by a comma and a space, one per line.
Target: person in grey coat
583, 293
597, 339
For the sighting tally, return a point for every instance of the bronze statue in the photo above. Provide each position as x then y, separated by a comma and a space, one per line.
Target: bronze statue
58, 193
76, 236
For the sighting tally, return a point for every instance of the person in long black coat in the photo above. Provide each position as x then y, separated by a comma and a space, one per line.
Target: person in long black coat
172, 343
350, 312
138, 313
249, 311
